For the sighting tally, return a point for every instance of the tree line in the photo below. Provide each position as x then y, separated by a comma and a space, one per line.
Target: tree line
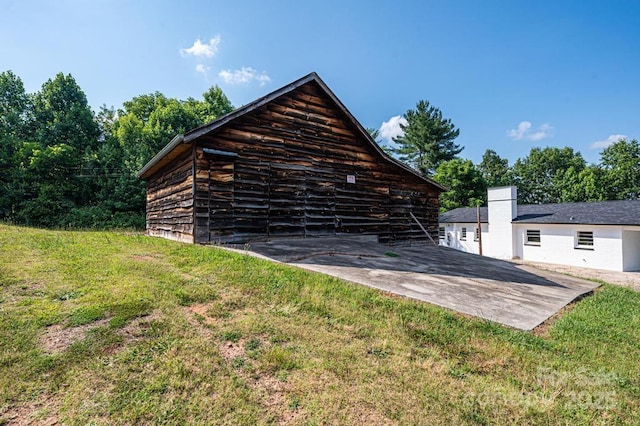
62, 165
546, 175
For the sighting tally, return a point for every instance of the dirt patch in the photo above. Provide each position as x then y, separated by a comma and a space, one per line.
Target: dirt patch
625, 279
232, 350
293, 416
147, 257
365, 414
57, 338
198, 318
135, 330
272, 391
212, 313
15, 290
201, 309
40, 412
273, 395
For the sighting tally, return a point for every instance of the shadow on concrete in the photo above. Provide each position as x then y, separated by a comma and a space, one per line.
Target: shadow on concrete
419, 258
515, 295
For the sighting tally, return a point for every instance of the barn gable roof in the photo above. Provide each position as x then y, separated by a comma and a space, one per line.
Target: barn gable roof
181, 143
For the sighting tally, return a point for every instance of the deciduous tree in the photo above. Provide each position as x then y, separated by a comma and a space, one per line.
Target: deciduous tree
494, 169
62, 115
14, 122
585, 185
620, 163
215, 104
467, 187
65, 137
539, 176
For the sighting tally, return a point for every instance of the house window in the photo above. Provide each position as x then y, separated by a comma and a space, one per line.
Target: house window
464, 235
476, 235
533, 237
584, 240
441, 232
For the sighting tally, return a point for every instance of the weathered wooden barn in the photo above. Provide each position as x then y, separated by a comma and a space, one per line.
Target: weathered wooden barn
294, 163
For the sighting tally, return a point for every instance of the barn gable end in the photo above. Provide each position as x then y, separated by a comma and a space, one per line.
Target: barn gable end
292, 164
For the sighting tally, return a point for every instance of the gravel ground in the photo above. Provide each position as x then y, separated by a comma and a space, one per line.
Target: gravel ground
626, 279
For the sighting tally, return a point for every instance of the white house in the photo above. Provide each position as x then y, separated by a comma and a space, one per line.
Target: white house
601, 235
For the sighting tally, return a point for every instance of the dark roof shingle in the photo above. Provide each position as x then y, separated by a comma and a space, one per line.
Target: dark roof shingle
626, 212
463, 215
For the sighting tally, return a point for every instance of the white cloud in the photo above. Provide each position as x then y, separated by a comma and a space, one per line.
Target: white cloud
518, 133
525, 131
608, 141
391, 128
544, 131
201, 69
202, 49
244, 75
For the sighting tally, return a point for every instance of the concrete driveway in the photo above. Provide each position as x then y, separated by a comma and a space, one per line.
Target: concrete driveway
518, 296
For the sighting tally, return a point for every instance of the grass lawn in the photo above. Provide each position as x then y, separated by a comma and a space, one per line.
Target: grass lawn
119, 328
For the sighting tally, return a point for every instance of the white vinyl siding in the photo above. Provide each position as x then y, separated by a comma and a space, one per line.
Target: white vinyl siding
560, 246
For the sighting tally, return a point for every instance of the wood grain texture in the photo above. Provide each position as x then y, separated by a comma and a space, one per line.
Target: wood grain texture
170, 200
290, 180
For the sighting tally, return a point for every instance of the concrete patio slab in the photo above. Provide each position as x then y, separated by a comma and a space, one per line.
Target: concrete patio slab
518, 296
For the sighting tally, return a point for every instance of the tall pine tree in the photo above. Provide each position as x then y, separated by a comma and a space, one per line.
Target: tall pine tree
428, 139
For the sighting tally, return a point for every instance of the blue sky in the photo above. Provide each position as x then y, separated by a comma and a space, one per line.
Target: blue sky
511, 75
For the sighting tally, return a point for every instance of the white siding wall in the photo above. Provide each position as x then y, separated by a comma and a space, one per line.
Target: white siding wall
518, 237
614, 248
557, 245
631, 250
453, 237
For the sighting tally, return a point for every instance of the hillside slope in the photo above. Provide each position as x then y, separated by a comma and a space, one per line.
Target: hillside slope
119, 328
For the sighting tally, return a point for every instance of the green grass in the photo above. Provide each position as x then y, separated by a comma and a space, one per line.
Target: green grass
118, 328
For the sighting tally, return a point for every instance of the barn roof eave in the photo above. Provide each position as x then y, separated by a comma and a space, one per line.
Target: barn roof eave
222, 121
368, 137
196, 133
145, 171
193, 134
245, 109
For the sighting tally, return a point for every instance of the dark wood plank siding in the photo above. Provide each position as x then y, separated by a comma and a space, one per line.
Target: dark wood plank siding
289, 178
170, 200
